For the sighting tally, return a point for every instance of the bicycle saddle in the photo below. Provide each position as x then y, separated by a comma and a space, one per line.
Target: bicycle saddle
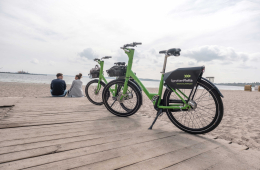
120, 63
172, 51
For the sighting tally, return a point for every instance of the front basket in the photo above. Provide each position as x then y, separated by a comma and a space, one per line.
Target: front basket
94, 72
117, 71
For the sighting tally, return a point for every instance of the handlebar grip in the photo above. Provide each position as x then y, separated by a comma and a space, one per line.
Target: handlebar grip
106, 57
162, 52
137, 43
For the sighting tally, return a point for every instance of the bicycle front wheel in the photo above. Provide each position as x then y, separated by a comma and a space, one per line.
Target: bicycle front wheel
119, 104
204, 118
94, 94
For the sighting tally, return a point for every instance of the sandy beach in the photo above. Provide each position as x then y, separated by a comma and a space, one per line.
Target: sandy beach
240, 124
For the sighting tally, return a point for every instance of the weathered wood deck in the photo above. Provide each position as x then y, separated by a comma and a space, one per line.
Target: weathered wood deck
65, 133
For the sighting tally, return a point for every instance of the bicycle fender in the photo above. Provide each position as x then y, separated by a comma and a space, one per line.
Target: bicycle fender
136, 84
204, 79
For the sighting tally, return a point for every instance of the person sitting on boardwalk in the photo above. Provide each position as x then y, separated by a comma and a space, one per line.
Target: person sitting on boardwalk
58, 86
76, 87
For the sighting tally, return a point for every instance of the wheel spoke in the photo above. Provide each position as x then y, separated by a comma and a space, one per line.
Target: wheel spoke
113, 103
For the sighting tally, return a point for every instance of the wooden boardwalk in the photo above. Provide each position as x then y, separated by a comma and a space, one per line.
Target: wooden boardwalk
65, 133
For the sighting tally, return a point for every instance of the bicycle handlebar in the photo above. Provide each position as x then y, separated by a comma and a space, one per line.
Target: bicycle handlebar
134, 44
138, 43
106, 57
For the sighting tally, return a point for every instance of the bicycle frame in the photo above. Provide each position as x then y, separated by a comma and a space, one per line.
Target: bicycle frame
151, 96
102, 77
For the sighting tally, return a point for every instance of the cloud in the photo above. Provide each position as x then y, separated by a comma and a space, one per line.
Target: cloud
52, 63
202, 6
255, 57
226, 62
76, 33
214, 52
88, 53
35, 61
155, 53
244, 66
121, 56
191, 63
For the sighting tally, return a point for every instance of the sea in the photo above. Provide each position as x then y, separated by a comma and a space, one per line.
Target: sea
46, 79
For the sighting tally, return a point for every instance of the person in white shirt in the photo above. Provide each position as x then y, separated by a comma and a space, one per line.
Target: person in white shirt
76, 87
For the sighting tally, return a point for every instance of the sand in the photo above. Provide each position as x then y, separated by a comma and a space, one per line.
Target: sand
240, 124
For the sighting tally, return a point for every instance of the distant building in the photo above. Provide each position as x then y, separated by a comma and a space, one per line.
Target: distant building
22, 72
210, 79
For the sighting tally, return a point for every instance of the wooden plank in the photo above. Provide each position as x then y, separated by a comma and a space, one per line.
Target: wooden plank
232, 164
57, 118
89, 126
73, 151
9, 101
175, 157
104, 160
37, 123
216, 159
49, 118
49, 130
12, 130
86, 139
50, 108
16, 124
199, 162
14, 116
72, 134
40, 110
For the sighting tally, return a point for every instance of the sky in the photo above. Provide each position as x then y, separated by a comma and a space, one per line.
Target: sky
66, 35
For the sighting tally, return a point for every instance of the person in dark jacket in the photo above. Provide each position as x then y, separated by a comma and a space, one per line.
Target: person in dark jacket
58, 86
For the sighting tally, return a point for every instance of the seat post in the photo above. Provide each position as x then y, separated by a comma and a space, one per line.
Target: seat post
164, 64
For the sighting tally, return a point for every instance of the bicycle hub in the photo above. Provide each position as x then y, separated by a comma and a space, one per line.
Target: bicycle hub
193, 105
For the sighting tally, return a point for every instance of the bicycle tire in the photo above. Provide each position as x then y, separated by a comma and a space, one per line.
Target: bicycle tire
128, 111
219, 112
87, 92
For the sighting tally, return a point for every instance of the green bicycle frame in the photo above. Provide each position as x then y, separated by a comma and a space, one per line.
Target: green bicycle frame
129, 73
102, 77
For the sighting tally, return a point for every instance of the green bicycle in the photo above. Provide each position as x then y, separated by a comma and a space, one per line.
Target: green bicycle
94, 88
191, 102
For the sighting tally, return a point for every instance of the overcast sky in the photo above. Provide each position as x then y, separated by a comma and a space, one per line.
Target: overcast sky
46, 36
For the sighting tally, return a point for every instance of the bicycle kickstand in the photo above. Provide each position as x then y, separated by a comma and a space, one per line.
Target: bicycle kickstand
158, 114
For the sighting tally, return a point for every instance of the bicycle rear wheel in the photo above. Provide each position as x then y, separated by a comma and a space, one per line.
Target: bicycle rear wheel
92, 94
204, 118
